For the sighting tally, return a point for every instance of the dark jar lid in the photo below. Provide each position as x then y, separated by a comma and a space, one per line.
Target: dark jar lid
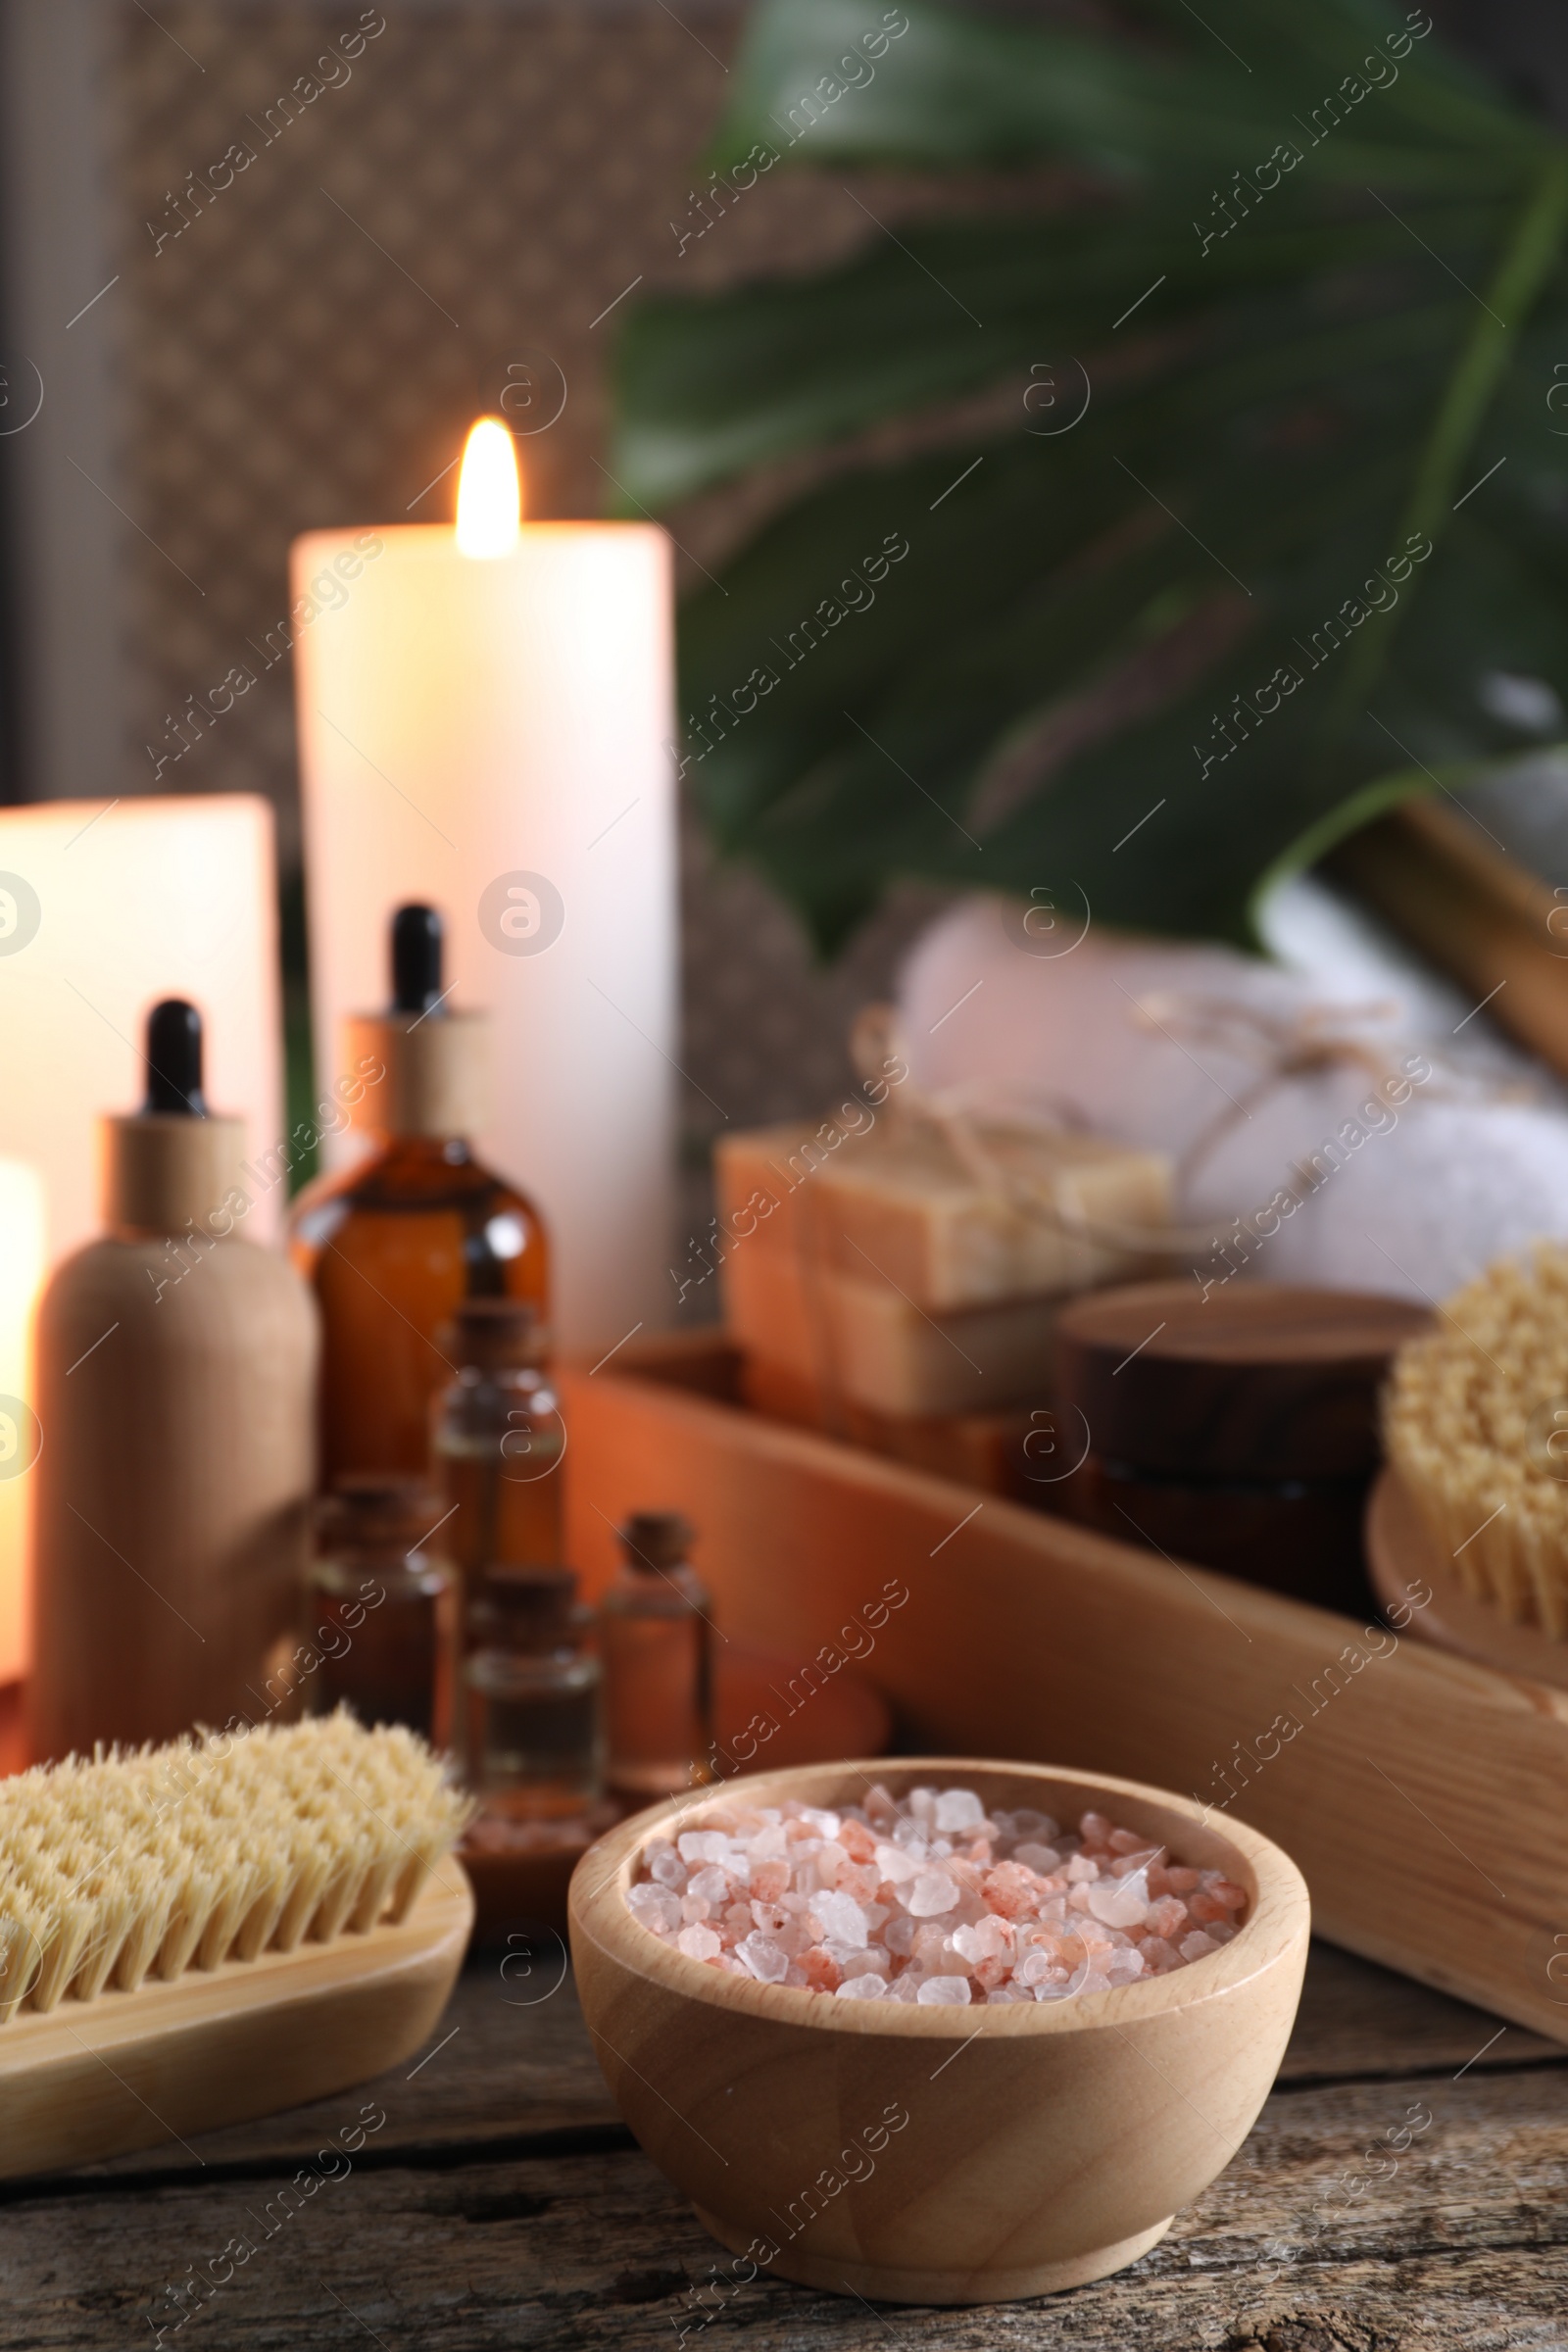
1256, 1380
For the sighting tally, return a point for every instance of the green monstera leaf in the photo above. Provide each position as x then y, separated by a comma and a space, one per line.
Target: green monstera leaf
1278, 526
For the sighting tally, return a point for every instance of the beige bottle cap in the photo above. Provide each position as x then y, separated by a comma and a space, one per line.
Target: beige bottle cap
168, 1173
422, 1073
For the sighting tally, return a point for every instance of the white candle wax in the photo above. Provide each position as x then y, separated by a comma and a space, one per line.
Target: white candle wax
491, 734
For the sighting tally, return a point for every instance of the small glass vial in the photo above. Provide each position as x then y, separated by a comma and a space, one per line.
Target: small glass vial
530, 1697
498, 1440
655, 1640
381, 1608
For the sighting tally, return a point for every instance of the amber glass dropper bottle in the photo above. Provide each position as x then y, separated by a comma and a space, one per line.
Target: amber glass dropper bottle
393, 1245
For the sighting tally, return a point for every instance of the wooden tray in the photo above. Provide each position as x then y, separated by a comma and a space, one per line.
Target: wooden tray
1383, 1766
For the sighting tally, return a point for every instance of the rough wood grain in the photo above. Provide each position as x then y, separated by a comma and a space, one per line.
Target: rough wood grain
1465, 2242
1360, 2021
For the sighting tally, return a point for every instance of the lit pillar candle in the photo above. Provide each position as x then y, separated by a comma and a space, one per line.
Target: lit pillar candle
485, 714
22, 1257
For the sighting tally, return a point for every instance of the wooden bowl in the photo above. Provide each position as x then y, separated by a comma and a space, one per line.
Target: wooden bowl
941, 2155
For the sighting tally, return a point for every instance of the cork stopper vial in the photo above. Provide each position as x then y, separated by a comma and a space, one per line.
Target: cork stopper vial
525, 1608
430, 1059
656, 1540
172, 1167
495, 1335
373, 1511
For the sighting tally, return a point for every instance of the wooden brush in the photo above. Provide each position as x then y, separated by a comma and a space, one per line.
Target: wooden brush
1475, 1423
201, 1933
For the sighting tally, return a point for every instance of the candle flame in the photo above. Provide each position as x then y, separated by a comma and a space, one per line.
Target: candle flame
489, 500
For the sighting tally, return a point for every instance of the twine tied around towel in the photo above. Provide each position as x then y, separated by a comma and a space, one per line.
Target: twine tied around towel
1309, 1042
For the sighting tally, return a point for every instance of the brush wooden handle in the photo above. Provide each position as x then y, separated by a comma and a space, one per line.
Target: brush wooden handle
129, 2069
1401, 1553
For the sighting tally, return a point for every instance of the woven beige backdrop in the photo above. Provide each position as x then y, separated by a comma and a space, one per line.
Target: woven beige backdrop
310, 349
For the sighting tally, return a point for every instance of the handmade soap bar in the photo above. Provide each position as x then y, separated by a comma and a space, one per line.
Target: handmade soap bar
863, 1340
1033, 1211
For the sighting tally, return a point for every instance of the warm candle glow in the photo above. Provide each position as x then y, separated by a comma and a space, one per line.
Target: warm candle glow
22, 1271
489, 499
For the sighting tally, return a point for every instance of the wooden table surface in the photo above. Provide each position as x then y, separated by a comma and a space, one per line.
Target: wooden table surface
496, 2201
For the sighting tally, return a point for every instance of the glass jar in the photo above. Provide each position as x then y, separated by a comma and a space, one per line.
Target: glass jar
381, 1608
530, 1697
497, 1440
656, 1641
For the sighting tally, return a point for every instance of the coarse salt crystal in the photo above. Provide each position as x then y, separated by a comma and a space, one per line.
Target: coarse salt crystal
767, 1960
932, 1893
703, 1846
1027, 1823
958, 1809
1041, 1858
840, 1917
654, 1906
1124, 1903
895, 1865
934, 1901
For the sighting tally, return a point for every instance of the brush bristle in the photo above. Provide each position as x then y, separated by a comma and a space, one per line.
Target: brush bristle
219, 1846
1470, 1422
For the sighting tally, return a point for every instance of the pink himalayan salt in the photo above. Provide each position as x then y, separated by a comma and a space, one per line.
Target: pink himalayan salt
931, 1902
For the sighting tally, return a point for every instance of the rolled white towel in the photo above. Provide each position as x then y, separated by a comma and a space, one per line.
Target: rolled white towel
1403, 1163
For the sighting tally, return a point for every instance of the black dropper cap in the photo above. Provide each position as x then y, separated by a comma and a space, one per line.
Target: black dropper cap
415, 959
174, 1059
